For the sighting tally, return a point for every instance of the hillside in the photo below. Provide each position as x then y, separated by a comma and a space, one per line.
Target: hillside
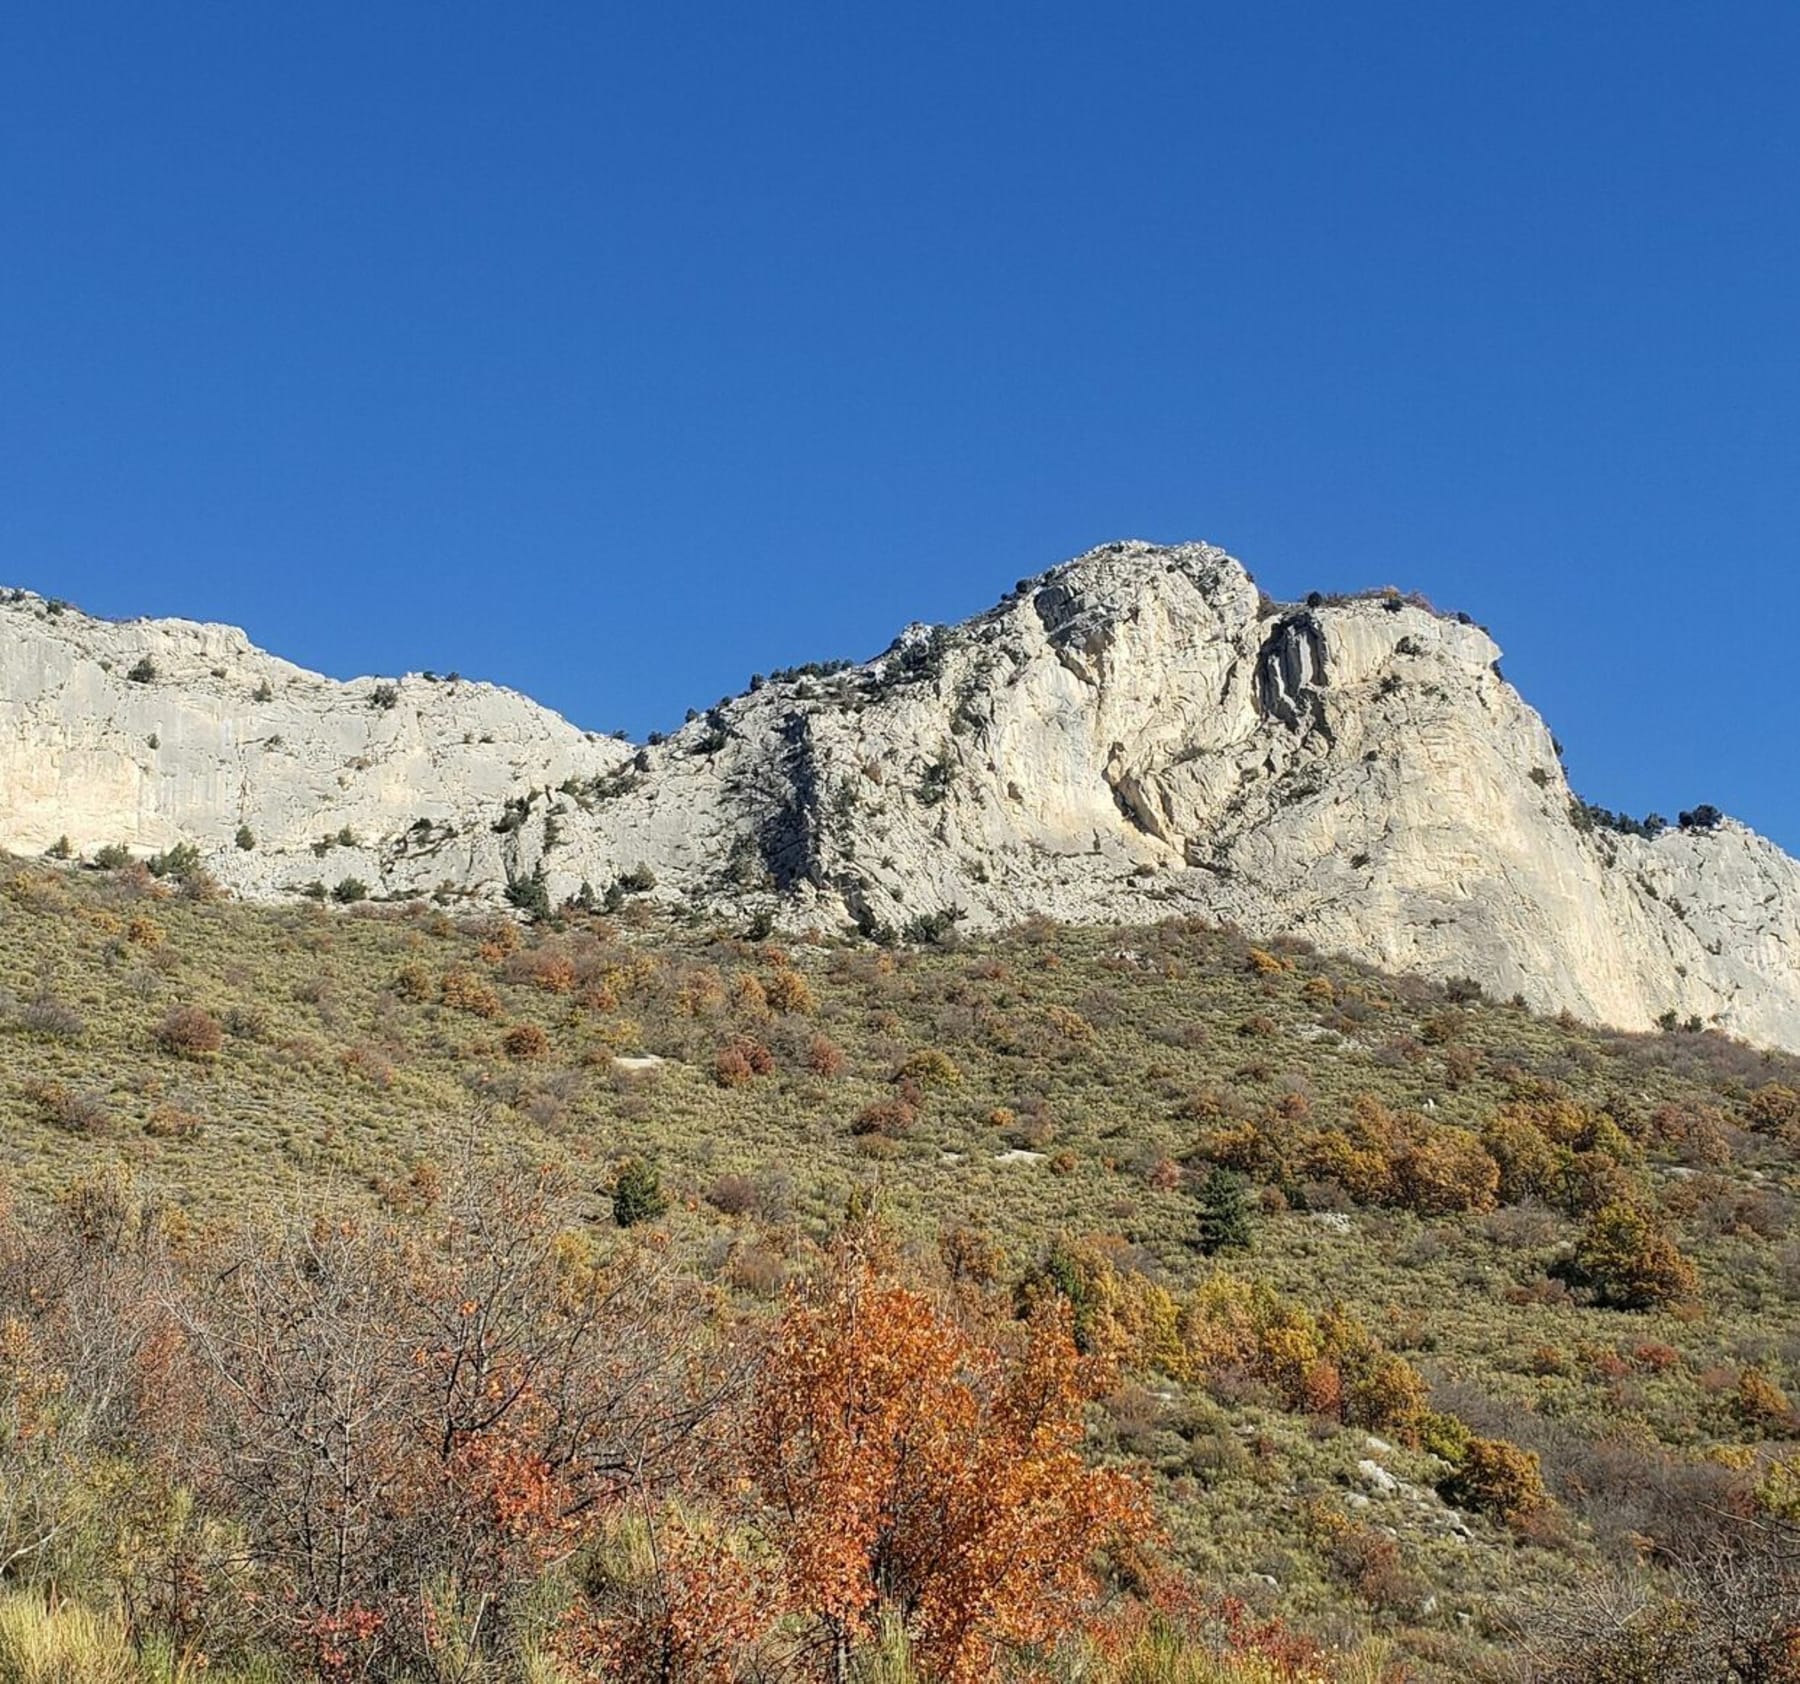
1427, 1180
1135, 734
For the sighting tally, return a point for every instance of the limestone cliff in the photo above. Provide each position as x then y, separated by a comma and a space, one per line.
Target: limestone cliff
1133, 734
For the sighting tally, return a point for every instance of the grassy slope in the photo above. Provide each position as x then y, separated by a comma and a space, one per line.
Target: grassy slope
342, 1070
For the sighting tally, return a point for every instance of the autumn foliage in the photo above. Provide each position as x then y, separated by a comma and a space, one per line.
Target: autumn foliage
898, 1472
905, 1466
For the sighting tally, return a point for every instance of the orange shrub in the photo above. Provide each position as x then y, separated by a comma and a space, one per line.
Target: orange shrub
552, 971
740, 1060
889, 1118
1447, 1170
465, 991
412, 981
1628, 1260
824, 1057
1774, 1109
1763, 1406
1165, 1175
788, 991
750, 998
190, 1032
899, 1461
525, 1041
1497, 1478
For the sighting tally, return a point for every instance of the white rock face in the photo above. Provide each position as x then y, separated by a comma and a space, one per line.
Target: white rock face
1134, 734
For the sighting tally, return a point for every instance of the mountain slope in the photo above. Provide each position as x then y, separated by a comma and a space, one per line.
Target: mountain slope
1133, 734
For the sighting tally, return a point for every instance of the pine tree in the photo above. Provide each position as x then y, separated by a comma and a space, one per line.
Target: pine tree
531, 895
638, 1195
1224, 1214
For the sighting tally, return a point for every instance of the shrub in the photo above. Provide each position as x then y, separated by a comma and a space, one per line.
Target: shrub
179, 862
171, 1122
525, 1041
824, 1057
1388, 1396
968, 1254
549, 969
1629, 1262
735, 1195
741, 1060
54, 1019
79, 1110
246, 1023
1774, 1109
384, 696
143, 671
350, 890
190, 1032
788, 991
466, 991
1366, 1560
640, 880
1496, 1478
114, 856
929, 1068
531, 895
888, 1118
246, 838
412, 981
638, 1194
1447, 1171
1763, 1406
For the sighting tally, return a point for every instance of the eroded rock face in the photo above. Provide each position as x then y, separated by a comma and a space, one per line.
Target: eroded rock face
1131, 735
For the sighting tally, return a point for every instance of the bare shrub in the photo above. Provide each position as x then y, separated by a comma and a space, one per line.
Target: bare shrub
79, 1110
51, 1018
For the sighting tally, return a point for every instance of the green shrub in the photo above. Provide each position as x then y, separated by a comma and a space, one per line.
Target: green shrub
638, 1194
179, 862
531, 895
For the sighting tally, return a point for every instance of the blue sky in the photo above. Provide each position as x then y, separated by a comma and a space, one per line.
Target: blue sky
617, 352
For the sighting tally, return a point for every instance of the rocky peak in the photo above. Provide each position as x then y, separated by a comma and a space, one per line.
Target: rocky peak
1134, 733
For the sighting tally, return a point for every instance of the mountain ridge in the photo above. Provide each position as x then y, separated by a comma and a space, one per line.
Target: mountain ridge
1136, 733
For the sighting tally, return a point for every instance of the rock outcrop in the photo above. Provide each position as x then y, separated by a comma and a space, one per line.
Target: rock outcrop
1134, 734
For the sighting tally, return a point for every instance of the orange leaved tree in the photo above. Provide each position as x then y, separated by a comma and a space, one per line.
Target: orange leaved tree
905, 1468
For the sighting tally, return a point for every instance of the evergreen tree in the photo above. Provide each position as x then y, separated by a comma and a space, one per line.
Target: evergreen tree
1224, 1214
531, 895
638, 1194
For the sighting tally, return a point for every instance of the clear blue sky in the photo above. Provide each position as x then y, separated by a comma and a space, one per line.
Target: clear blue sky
615, 352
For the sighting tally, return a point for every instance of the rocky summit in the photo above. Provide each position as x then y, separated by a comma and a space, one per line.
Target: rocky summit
1134, 734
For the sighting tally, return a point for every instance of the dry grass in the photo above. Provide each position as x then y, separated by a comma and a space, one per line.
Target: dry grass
1044, 1082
